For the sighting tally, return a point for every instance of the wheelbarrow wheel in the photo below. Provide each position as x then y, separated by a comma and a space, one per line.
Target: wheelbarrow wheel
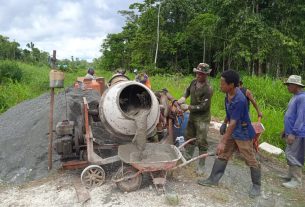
93, 176
130, 184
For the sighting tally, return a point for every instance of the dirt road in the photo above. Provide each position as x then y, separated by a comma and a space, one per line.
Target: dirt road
63, 188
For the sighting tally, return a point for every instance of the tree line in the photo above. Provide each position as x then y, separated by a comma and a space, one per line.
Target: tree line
255, 36
11, 51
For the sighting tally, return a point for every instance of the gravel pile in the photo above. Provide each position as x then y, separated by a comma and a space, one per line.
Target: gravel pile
24, 135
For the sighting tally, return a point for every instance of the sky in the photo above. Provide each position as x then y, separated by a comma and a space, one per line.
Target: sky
71, 27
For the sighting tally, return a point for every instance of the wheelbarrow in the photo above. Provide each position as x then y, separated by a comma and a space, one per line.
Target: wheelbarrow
157, 159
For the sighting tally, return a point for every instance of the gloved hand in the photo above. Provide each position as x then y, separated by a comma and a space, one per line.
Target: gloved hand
223, 128
181, 100
184, 107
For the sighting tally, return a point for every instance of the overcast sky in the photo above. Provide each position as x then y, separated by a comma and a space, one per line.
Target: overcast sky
72, 27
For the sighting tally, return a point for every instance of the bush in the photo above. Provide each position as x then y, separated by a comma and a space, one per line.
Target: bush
10, 70
3, 105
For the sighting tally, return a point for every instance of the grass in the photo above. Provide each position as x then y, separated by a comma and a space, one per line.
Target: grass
271, 94
34, 82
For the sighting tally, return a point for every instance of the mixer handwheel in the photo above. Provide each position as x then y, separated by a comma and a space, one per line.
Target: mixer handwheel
93, 176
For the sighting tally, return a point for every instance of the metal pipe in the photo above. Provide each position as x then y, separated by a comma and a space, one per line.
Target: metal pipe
50, 138
158, 36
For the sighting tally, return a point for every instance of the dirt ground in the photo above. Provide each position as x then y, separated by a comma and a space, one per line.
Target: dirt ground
63, 188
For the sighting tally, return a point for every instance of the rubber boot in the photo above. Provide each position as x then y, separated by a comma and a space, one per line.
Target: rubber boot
287, 177
217, 172
160, 135
256, 182
200, 167
201, 164
296, 178
189, 151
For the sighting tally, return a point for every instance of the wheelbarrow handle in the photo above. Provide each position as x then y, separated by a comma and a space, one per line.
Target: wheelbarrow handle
187, 142
185, 162
259, 119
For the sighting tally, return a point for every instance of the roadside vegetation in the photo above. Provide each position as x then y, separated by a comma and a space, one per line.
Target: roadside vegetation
33, 81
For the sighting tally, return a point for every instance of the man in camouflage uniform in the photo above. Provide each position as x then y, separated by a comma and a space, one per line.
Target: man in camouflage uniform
201, 93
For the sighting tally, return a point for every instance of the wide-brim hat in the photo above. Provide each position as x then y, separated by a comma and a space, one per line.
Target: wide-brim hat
294, 79
202, 68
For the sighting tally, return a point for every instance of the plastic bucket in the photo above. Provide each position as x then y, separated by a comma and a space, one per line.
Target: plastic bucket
182, 123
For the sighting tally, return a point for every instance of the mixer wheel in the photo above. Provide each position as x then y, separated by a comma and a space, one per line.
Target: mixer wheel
93, 176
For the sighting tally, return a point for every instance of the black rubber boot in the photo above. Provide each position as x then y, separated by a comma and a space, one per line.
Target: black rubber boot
189, 151
217, 172
160, 135
256, 182
201, 163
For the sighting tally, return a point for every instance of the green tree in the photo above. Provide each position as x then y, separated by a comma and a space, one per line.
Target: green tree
257, 36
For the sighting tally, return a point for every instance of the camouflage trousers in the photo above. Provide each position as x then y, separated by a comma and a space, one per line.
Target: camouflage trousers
199, 130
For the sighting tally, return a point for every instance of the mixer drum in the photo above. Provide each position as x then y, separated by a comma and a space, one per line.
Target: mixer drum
120, 104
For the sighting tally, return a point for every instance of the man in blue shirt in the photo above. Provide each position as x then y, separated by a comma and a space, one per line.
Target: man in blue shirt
294, 132
238, 135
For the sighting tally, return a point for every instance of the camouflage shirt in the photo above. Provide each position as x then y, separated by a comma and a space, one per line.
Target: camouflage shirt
200, 106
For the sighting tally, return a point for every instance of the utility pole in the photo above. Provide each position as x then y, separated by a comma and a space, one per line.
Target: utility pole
158, 26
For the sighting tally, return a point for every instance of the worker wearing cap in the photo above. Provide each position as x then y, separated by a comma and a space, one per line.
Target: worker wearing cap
200, 93
294, 132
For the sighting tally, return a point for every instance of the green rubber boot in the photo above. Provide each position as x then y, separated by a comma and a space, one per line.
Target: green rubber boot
296, 178
200, 167
287, 177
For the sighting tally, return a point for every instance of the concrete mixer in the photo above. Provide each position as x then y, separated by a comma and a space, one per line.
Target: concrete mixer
100, 123
120, 104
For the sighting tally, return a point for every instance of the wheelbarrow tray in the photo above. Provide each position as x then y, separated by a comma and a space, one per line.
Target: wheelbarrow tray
155, 157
